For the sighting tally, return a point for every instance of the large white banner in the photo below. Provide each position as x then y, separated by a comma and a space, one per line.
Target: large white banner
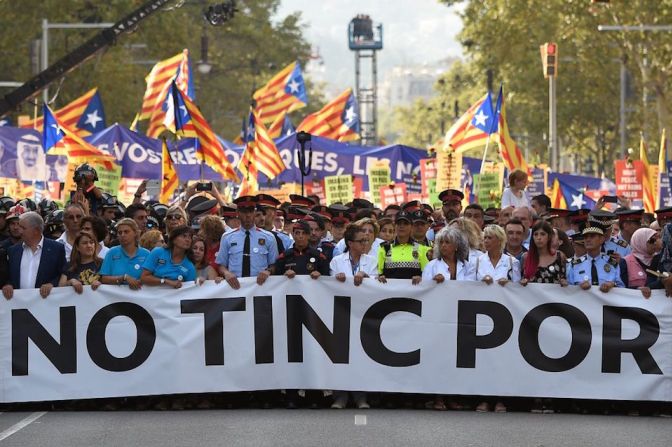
453, 338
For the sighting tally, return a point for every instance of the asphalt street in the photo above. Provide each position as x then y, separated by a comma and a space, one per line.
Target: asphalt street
328, 428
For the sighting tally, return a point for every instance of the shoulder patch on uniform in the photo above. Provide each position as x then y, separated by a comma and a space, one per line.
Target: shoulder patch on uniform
622, 243
578, 261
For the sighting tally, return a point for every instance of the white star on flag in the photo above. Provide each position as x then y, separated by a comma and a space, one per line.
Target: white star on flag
350, 115
481, 118
577, 201
293, 86
93, 119
185, 113
58, 129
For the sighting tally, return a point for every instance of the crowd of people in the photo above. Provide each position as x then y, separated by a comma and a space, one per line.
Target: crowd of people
96, 240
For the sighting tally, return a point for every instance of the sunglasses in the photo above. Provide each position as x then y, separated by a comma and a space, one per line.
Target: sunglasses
173, 217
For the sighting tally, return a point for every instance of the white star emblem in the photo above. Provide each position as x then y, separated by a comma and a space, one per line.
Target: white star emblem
93, 119
481, 118
350, 115
185, 113
577, 201
58, 129
293, 86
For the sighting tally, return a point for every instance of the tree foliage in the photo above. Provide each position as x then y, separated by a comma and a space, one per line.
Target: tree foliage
244, 52
504, 36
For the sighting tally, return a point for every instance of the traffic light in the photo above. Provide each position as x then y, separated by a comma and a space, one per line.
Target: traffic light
549, 59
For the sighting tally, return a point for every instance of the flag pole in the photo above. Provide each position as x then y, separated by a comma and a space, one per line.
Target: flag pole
480, 174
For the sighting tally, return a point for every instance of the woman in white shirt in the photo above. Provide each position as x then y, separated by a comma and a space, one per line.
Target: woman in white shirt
515, 194
370, 228
356, 264
494, 265
450, 260
474, 236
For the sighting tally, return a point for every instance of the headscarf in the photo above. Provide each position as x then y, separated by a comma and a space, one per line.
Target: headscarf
639, 241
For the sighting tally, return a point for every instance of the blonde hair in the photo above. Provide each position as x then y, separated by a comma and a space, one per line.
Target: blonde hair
496, 231
367, 220
150, 239
470, 230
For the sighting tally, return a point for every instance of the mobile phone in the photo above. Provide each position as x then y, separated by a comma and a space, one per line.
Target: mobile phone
153, 187
610, 199
201, 186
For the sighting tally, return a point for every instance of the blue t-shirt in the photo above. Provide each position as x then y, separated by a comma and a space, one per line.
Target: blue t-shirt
160, 264
117, 262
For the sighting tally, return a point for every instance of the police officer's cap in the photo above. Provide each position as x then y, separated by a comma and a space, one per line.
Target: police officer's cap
451, 195
303, 225
411, 206
246, 202
593, 229
403, 215
362, 203
267, 201
229, 211
626, 215
208, 206
301, 201
322, 211
664, 213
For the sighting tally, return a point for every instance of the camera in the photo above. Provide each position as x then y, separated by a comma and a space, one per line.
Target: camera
201, 186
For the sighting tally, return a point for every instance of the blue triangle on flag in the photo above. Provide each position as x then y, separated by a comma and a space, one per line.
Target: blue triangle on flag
93, 118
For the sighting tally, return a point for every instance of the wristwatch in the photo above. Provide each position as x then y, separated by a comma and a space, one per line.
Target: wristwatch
163, 280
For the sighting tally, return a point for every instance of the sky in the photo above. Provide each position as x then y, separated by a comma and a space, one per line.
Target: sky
415, 32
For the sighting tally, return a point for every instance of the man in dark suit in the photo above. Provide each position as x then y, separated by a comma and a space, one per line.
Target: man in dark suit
36, 262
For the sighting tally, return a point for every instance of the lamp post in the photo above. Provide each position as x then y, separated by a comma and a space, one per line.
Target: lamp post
303, 138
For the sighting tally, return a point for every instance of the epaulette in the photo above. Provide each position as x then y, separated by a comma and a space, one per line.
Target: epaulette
578, 261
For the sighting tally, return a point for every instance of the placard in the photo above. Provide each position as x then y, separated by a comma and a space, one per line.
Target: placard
448, 170
392, 195
338, 188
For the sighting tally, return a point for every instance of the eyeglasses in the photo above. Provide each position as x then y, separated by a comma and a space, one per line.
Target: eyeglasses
173, 217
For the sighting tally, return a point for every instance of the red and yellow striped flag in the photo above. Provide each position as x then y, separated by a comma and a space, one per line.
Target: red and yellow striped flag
557, 197
158, 82
210, 149
511, 153
647, 179
80, 151
169, 179
662, 167
261, 154
337, 120
463, 135
284, 93
275, 129
69, 115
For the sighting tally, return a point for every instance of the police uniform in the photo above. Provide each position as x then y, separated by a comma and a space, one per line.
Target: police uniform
303, 262
606, 269
255, 244
264, 202
612, 244
402, 261
327, 249
598, 270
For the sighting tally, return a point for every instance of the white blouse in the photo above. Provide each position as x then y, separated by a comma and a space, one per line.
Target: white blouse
507, 267
510, 199
466, 271
341, 264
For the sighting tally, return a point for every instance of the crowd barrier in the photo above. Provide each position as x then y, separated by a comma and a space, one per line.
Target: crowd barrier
463, 338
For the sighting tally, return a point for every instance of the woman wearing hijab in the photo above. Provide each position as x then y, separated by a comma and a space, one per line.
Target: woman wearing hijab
646, 247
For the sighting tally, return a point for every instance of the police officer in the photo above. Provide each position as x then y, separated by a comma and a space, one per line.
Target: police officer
85, 177
402, 258
247, 251
316, 240
268, 205
612, 244
301, 259
629, 221
594, 268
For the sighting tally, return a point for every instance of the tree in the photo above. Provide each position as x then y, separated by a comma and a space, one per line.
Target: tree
504, 36
245, 52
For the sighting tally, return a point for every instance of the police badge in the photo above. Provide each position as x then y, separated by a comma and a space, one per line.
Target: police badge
607, 268
262, 241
